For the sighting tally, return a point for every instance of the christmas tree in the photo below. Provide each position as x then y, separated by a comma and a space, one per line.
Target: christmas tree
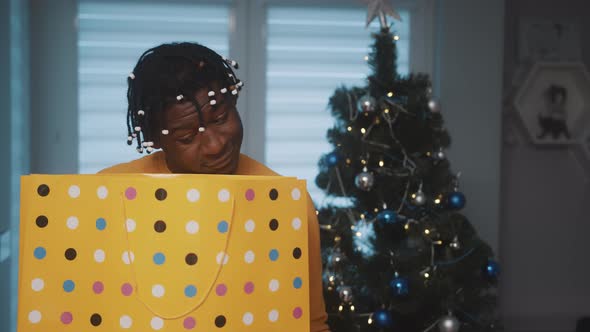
398, 255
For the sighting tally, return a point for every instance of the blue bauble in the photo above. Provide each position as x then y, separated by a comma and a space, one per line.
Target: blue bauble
456, 200
399, 286
382, 318
492, 269
387, 217
332, 159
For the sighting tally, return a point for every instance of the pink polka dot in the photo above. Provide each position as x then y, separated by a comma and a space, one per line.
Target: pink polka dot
98, 287
250, 194
130, 193
249, 287
66, 317
221, 289
297, 312
189, 323
126, 289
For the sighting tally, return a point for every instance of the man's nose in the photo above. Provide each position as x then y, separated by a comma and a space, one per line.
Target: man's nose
212, 143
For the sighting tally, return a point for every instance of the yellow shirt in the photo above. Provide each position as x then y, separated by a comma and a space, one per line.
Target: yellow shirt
156, 163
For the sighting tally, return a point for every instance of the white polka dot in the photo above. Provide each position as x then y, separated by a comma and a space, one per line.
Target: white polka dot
37, 284
193, 195
128, 257
223, 195
249, 226
296, 223
296, 194
74, 191
158, 290
34, 316
273, 285
249, 256
99, 255
125, 321
130, 225
157, 323
273, 315
72, 222
222, 256
248, 318
192, 227
102, 192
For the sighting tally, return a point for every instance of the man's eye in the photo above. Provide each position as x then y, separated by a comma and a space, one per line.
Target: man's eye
186, 139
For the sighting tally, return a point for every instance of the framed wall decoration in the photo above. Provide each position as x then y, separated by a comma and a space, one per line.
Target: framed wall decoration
554, 103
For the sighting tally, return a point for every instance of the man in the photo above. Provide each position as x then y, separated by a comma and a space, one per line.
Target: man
182, 100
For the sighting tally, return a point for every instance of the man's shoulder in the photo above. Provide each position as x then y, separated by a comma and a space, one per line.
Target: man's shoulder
147, 164
251, 166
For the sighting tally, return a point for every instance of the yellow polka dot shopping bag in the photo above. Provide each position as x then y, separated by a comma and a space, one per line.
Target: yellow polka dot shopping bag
163, 253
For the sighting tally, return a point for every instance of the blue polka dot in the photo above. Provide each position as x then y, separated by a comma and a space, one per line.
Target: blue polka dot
101, 224
190, 291
222, 226
40, 253
159, 258
297, 283
69, 285
273, 255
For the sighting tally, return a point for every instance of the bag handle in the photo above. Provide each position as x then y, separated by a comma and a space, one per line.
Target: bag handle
208, 290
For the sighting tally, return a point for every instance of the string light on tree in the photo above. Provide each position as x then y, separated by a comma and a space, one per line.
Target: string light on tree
448, 324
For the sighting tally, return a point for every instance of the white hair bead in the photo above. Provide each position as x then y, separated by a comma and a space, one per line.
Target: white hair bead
140, 112
165, 131
132, 76
129, 138
240, 83
213, 102
201, 129
224, 90
144, 144
134, 134
137, 128
234, 92
150, 143
179, 97
140, 150
150, 149
211, 93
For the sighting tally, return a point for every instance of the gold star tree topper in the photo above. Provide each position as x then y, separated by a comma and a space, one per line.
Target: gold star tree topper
380, 8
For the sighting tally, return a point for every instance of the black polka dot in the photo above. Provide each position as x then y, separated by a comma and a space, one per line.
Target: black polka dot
273, 224
161, 194
220, 321
43, 190
95, 319
71, 254
160, 226
191, 259
42, 221
273, 194
297, 253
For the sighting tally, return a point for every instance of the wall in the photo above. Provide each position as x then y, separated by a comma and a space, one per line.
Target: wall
469, 83
545, 205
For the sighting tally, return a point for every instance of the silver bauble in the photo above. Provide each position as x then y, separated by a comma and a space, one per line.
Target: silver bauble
419, 198
440, 154
367, 104
448, 324
345, 293
364, 180
455, 244
434, 106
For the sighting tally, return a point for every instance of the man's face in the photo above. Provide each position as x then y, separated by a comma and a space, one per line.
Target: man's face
213, 151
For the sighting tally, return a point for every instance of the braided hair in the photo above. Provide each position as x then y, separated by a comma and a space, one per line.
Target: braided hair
171, 73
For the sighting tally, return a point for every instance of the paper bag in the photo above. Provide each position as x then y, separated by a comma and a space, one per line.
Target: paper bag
163, 252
